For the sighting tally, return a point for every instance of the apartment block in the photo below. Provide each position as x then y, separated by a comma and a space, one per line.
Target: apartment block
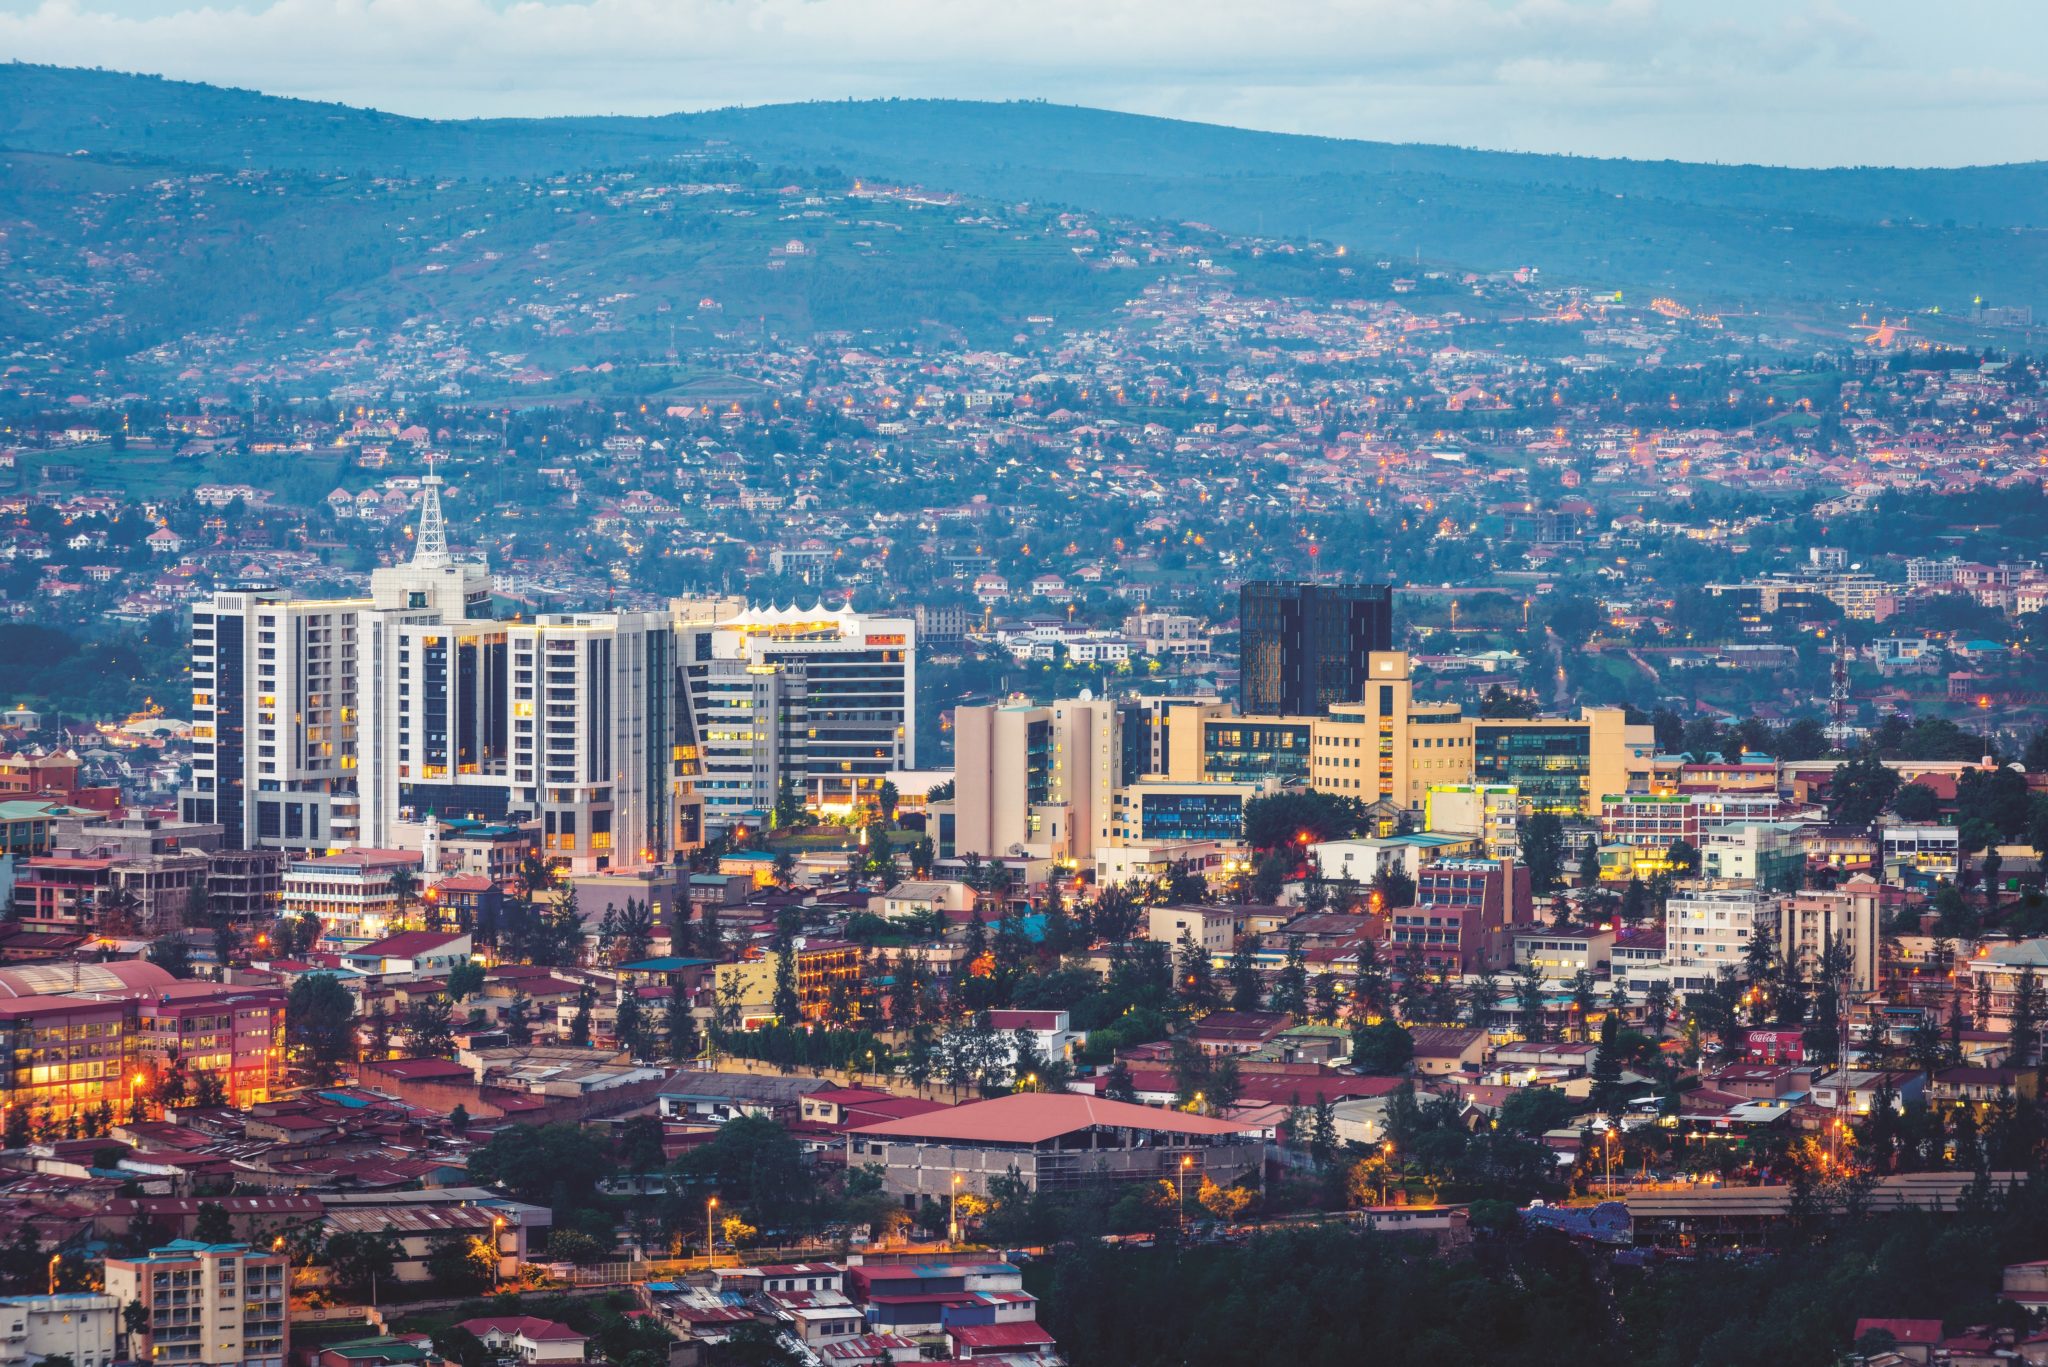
218, 1305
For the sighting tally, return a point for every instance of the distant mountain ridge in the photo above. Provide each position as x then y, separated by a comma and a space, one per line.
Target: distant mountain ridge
1717, 234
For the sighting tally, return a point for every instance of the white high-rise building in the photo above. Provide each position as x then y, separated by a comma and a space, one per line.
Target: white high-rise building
565, 719
274, 719
329, 724
818, 702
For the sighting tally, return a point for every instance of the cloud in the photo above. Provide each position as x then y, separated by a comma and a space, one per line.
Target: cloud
1737, 79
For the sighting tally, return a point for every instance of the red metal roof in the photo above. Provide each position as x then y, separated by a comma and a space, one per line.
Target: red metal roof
1015, 1334
1034, 1117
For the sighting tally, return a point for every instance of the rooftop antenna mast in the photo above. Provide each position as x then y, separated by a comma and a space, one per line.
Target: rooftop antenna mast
1838, 693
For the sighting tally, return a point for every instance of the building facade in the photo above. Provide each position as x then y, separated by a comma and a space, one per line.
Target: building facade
219, 1305
1303, 647
818, 703
81, 1327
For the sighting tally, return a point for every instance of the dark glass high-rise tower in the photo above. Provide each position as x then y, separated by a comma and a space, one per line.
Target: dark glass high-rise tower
1303, 647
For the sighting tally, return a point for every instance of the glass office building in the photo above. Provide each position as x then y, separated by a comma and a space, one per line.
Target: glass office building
1303, 647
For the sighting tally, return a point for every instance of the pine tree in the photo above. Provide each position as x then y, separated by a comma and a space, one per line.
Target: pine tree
631, 1026
1606, 1072
1247, 988
679, 1027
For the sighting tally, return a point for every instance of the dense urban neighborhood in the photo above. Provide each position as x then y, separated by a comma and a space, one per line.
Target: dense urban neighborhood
702, 762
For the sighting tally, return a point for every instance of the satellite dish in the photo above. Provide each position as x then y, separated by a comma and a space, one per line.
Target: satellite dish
1016, 851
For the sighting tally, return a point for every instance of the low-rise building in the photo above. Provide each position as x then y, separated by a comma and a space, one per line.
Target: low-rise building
80, 1327
1053, 1141
1562, 951
528, 1338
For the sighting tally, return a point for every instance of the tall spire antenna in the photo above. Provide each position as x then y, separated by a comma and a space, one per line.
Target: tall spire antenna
430, 547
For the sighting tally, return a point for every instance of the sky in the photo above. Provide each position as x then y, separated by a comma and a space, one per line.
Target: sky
1784, 82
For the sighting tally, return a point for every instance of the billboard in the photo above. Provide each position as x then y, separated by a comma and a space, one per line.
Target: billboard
1775, 1046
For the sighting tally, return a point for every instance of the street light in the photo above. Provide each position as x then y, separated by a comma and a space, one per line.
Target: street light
710, 1241
497, 1251
953, 1214
1187, 1161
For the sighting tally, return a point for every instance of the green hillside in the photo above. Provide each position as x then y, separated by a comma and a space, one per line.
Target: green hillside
1719, 235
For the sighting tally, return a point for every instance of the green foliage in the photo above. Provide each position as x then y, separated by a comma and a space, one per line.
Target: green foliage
459, 1265
1283, 819
1861, 787
465, 980
550, 1165
173, 954
1383, 1049
755, 1166
1543, 851
359, 1260
320, 1024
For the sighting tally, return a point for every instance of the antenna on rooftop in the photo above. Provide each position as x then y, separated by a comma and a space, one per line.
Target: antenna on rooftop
1838, 693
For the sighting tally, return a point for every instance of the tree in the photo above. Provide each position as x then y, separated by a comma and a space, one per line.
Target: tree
359, 1261
1195, 975
579, 1025
1657, 1001
173, 954
1383, 1049
635, 931
519, 1019
630, 1025
320, 1025
679, 1025
465, 980
1529, 1000
458, 1345
558, 1165
1918, 803
1116, 1084
430, 1027
212, 1224
458, 1120
1589, 865
1543, 851
1225, 1203
1290, 988
379, 1028
461, 1264
1607, 1092
755, 1165
1247, 987
1299, 819
2025, 1015
1860, 789
405, 887
1482, 996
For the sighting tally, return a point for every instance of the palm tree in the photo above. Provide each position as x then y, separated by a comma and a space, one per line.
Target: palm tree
405, 885
1481, 995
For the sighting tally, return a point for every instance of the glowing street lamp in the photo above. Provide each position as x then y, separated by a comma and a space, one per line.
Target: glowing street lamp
1186, 1161
710, 1240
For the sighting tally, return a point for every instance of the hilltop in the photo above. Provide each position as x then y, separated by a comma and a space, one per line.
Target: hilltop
1719, 235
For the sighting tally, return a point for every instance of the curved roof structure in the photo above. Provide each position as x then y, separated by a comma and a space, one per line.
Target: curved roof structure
45, 980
